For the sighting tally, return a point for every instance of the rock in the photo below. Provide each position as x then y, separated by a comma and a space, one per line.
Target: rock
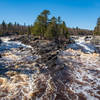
31, 94
0, 56
0, 41
16, 66
3, 81
71, 41
11, 73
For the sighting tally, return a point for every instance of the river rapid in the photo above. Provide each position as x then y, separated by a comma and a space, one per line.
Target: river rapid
85, 63
21, 79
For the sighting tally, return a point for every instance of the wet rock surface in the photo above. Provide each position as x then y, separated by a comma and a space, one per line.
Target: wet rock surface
45, 70
0, 41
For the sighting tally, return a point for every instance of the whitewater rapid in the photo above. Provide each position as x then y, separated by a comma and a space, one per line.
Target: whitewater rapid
85, 63
15, 53
8, 45
83, 45
75, 77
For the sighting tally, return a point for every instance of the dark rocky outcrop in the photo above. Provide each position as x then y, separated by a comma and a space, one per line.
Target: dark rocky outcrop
0, 41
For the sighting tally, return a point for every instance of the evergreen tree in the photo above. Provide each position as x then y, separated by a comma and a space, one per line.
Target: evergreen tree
29, 30
64, 30
45, 19
52, 29
10, 27
3, 26
97, 28
41, 24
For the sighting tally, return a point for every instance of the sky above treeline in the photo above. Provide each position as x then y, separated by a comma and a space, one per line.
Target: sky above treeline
76, 13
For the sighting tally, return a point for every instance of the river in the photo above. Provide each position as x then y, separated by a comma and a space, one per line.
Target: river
20, 78
85, 63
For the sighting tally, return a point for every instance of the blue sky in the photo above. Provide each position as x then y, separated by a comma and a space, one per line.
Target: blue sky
81, 13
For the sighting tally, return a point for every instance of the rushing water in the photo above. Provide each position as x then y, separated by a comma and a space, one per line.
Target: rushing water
20, 78
15, 53
85, 62
8, 45
17, 67
82, 44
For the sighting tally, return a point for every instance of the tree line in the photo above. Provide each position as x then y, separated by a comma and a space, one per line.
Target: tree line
10, 28
78, 31
49, 28
46, 27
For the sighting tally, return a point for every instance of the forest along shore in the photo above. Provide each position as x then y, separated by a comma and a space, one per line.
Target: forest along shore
31, 68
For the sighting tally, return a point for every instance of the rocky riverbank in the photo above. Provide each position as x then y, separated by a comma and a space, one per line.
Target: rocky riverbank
47, 70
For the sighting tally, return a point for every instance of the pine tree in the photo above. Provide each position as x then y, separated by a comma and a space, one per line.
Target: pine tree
97, 28
3, 27
41, 24
52, 29
10, 27
64, 30
29, 30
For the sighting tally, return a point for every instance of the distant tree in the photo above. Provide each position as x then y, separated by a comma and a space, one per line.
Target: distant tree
4, 26
64, 30
97, 28
79, 31
10, 27
59, 20
29, 30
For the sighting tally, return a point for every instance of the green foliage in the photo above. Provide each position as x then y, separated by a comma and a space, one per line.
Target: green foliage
97, 28
64, 30
41, 23
4, 26
52, 28
44, 27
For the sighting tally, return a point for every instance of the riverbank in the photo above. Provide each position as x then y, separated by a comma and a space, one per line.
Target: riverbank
34, 69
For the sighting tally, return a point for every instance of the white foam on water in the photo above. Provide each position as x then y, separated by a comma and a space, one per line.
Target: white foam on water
81, 43
85, 75
13, 54
6, 44
5, 39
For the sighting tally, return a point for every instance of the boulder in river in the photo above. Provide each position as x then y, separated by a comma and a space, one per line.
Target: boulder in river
0, 41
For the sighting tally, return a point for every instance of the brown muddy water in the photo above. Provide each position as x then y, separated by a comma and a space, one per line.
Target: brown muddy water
21, 79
